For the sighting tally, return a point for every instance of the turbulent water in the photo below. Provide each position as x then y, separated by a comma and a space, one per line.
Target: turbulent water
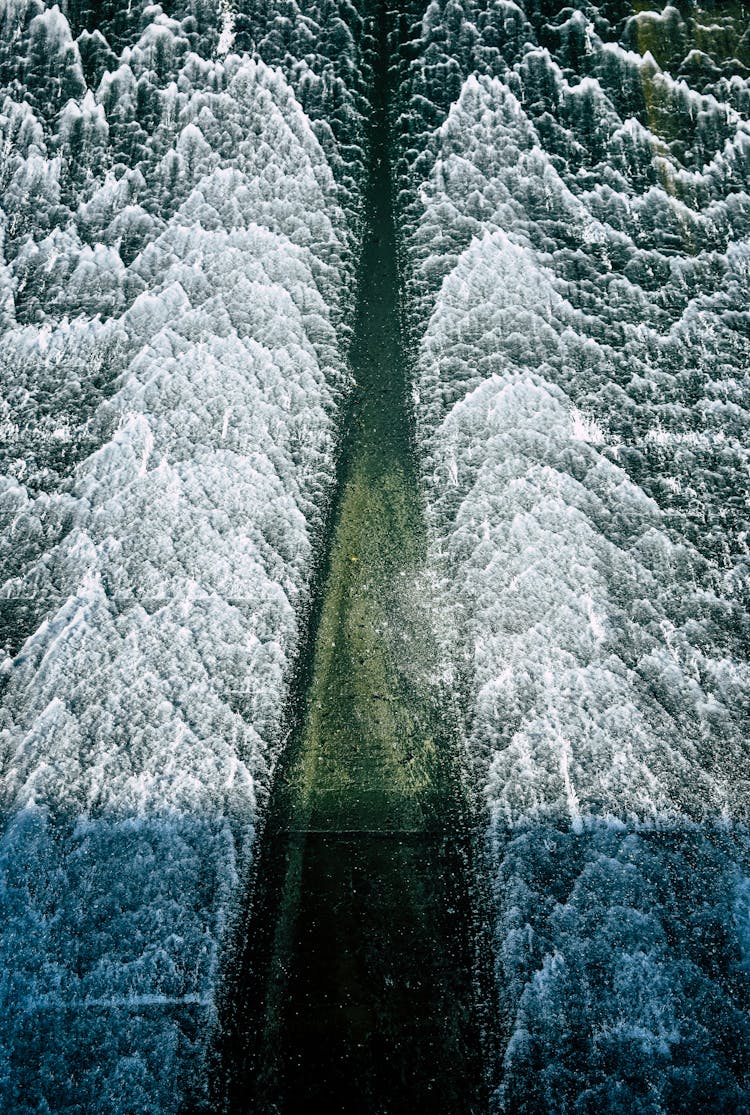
180, 224
178, 249
578, 270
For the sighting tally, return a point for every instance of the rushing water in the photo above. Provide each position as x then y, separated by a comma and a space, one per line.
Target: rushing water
179, 238
356, 990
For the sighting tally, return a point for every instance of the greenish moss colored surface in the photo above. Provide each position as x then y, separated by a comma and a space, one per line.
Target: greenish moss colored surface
368, 755
356, 989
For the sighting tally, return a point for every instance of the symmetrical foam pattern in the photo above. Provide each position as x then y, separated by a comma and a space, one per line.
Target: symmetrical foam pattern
178, 248
579, 273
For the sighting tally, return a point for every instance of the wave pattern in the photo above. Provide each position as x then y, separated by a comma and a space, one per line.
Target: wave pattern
178, 247
578, 270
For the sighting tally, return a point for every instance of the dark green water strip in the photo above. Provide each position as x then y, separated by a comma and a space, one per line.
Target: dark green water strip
356, 991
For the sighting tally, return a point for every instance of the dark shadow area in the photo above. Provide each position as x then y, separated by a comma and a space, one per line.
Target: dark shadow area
353, 984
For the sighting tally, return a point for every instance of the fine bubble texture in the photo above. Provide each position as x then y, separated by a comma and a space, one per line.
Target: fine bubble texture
179, 223
575, 181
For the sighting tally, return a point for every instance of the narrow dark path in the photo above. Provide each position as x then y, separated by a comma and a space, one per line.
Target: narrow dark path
356, 990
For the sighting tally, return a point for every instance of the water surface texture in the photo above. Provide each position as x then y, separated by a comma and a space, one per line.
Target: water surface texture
360, 942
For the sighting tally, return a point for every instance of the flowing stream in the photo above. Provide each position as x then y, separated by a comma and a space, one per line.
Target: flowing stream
356, 990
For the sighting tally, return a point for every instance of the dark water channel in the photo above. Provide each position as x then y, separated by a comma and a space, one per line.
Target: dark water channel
356, 989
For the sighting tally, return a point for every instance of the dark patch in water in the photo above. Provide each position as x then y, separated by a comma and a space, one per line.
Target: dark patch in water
355, 988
